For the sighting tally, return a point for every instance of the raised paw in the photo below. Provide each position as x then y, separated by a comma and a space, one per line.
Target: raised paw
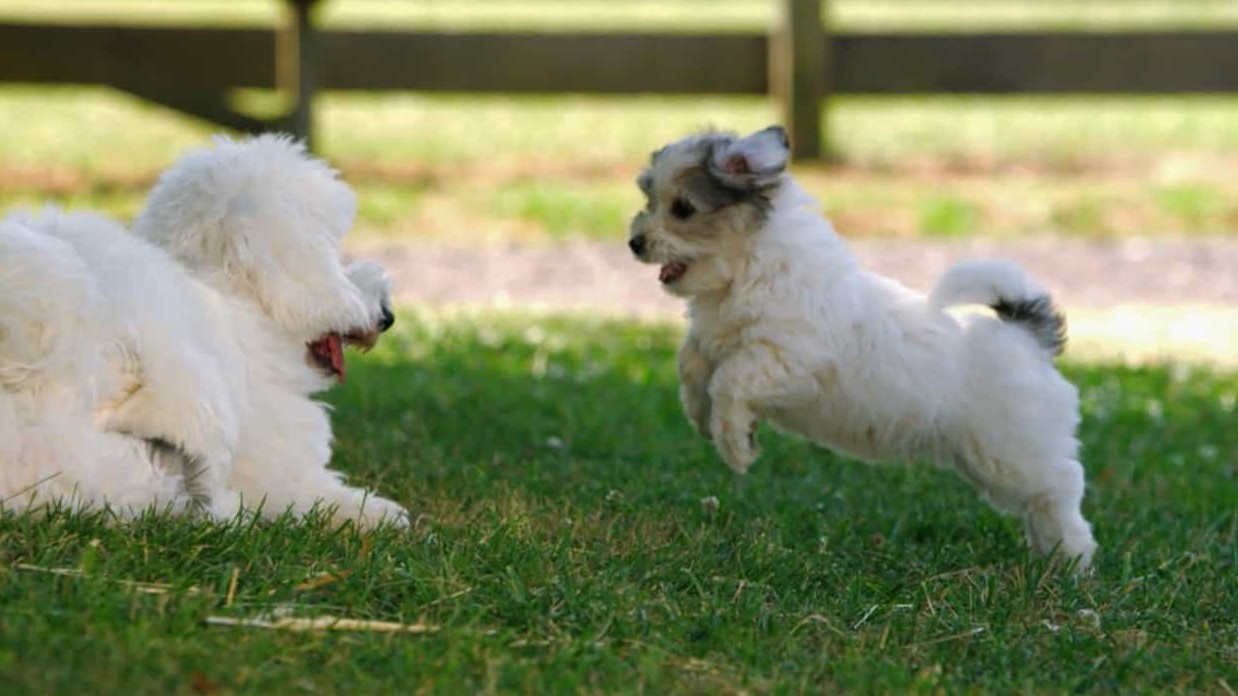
735, 439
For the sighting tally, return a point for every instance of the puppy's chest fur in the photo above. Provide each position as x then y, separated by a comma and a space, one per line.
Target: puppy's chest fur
830, 403
717, 339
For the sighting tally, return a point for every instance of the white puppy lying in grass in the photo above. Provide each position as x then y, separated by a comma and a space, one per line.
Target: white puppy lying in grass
786, 327
176, 365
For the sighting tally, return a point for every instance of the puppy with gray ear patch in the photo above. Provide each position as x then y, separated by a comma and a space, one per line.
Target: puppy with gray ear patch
786, 327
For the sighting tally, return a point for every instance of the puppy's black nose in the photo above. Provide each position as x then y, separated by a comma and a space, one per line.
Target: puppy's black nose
387, 320
637, 245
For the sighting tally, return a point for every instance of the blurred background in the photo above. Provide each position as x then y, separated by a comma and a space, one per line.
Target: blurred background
493, 143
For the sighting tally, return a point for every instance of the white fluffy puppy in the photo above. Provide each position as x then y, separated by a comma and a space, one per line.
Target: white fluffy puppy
223, 313
786, 327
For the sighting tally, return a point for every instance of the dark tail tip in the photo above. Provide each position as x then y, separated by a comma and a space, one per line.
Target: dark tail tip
1040, 317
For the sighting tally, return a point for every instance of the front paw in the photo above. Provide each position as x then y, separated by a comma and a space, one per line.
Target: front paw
700, 423
697, 410
374, 511
736, 441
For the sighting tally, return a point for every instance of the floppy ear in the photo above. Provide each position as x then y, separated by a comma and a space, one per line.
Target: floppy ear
752, 162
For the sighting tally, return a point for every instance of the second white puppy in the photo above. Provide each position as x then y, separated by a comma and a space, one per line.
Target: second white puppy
786, 327
213, 326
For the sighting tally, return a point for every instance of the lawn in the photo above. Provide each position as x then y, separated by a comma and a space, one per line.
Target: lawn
480, 169
566, 539
485, 169
562, 546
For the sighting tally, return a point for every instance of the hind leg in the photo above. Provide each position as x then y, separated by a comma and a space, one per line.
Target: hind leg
1054, 518
1046, 495
1016, 440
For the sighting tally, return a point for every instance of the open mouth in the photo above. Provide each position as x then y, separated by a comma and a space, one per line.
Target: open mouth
671, 272
327, 352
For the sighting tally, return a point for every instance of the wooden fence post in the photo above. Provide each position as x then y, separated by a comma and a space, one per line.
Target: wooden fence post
298, 66
797, 63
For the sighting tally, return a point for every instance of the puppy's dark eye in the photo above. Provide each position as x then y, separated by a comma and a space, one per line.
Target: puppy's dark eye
682, 209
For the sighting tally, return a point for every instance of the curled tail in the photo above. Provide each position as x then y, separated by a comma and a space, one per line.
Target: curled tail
1004, 286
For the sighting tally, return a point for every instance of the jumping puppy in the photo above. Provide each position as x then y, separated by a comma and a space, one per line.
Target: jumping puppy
786, 327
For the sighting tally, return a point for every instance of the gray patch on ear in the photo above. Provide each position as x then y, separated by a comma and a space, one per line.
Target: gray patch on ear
707, 191
753, 162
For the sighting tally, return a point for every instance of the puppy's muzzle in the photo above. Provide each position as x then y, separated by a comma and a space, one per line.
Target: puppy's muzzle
386, 320
637, 244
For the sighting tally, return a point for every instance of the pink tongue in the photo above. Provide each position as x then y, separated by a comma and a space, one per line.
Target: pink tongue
671, 271
336, 347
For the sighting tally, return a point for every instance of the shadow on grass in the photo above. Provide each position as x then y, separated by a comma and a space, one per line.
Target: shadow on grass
563, 416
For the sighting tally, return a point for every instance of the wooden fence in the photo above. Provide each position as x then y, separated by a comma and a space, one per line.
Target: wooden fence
195, 69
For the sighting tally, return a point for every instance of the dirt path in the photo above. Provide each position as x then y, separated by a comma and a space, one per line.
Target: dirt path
604, 278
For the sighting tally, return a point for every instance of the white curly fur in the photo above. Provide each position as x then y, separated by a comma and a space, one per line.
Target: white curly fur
190, 333
50, 381
786, 327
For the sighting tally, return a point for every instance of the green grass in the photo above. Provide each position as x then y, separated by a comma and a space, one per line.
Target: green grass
479, 169
564, 211
562, 547
103, 133
1201, 205
942, 216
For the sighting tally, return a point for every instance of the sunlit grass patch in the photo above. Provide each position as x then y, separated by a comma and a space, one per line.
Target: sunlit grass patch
563, 210
498, 169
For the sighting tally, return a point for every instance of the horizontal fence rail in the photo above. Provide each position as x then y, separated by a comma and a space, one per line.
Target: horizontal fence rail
546, 63
210, 58
1128, 63
192, 68
179, 57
